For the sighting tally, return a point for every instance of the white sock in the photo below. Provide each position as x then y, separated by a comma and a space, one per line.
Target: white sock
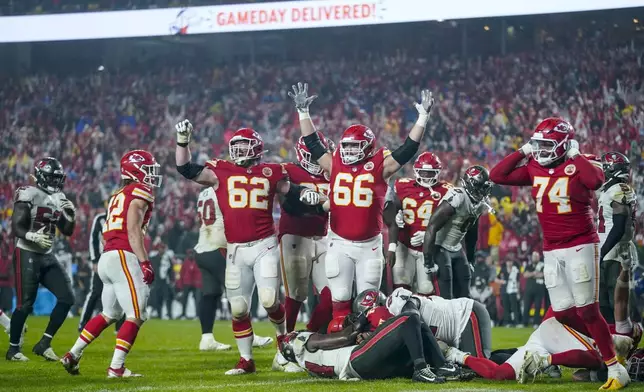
5, 321
245, 347
624, 327
207, 336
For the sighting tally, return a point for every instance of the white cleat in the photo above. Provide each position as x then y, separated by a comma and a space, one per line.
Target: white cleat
618, 378
121, 373
533, 365
454, 355
49, 355
623, 345
261, 341
213, 345
19, 357
280, 364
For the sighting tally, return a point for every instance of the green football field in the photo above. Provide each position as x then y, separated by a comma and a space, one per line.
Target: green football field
166, 353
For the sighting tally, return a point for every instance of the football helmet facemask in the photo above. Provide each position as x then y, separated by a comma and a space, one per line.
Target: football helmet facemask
550, 140
140, 166
49, 175
357, 143
245, 145
427, 169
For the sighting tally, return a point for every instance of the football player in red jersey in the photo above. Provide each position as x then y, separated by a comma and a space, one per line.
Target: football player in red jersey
124, 266
359, 173
415, 200
563, 183
246, 189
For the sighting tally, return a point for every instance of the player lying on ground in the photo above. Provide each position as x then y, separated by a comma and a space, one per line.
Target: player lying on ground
124, 266
461, 322
37, 212
359, 172
246, 188
409, 205
563, 182
400, 347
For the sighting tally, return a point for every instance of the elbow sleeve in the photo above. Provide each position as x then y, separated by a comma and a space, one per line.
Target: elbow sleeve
190, 170
314, 144
406, 152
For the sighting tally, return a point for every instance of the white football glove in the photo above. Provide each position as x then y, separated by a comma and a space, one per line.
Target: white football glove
424, 107
40, 238
310, 197
400, 220
184, 131
417, 239
526, 149
573, 149
301, 98
431, 270
69, 211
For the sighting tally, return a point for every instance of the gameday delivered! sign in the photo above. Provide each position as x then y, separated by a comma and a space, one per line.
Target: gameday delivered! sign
274, 16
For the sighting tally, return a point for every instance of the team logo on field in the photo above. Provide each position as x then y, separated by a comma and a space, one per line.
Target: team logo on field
436, 195
368, 166
570, 169
267, 171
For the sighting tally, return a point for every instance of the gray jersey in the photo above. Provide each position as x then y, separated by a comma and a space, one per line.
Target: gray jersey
451, 235
623, 194
326, 363
44, 210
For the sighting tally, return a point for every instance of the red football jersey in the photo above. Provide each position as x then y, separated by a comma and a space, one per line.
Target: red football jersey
357, 196
309, 226
115, 227
418, 204
377, 316
246, 196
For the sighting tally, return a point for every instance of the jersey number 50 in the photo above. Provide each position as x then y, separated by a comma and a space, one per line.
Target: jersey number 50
558, 193
343, 195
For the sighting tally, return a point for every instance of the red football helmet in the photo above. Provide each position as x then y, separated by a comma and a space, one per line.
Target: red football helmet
427, 169
550, 140
140, 166
357, 143
304, 155
336, 325
245, 145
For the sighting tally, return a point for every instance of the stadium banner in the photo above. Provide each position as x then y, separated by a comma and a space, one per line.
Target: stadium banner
274, 16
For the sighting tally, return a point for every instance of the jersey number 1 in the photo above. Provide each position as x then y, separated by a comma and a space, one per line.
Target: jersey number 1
558, 193
114, 219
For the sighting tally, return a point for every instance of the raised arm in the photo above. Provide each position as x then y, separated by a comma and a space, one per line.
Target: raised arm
406, 152
506, 172
189, 170
591, 175
311, 138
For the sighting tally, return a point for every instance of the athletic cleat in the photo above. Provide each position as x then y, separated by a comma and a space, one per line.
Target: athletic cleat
261, 341
280, 364
448, 372
243, 367
623, 346
123, 372
213, 345
14, 354
45, 351
618, 378
533, 365
71, 364
553, 371
426, 375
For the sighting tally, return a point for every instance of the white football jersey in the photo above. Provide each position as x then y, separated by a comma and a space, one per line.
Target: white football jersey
623, 194
211, 232
447, 318
324, 363
45, 211
451, 235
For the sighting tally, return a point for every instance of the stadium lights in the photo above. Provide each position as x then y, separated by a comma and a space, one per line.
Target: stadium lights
486, 28
635, 20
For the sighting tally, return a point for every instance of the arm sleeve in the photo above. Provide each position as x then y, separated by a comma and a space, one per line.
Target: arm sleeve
471, 237
590, 175
616, 233
506, 172
95, 238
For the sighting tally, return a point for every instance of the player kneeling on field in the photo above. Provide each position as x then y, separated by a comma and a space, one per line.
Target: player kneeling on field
124, 266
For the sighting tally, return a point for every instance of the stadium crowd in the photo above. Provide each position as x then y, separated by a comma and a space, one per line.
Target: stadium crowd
486, 107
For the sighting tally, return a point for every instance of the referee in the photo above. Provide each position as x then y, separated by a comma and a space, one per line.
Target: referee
92, 300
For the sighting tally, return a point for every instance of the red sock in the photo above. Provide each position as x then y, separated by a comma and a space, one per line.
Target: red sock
577, 359
124, 341
323, 313
93, 328
571, 318
341, 308
277, 317
599, 331
292, 309
490, 370
242, 328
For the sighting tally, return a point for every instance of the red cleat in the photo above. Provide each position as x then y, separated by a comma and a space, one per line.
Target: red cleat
123, 372
71, 364
242, 367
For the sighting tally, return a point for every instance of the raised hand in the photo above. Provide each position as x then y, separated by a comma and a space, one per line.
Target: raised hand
184, 132
426, 102
300, 96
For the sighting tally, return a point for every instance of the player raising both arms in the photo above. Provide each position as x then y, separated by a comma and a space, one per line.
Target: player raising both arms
124, 266
563, 183
37, 212
359, 174
246, 189
417, 200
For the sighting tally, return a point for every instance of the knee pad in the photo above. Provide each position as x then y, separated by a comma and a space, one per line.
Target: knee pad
371, 273
112, 315
267, 297
232, 280
238, 306
340, 294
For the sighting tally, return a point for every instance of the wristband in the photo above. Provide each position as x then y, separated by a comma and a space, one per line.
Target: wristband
303, 115
184, 145
392, 247
422, 119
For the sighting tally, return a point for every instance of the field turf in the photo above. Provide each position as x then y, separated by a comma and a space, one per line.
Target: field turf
166, 352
